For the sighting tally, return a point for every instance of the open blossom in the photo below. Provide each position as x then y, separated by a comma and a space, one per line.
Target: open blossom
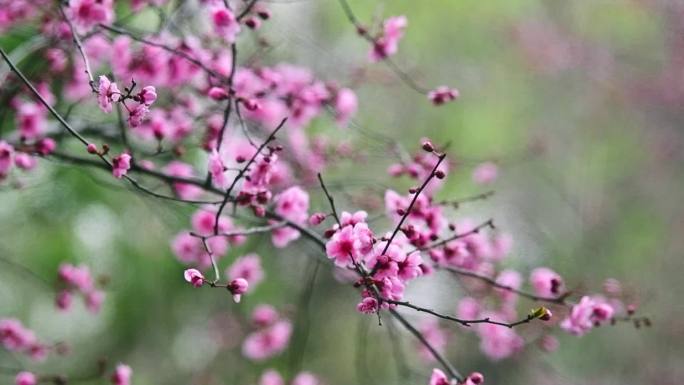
345, 105
88, 13
226, 24
25, 378
442, 95
122, 375
293, 205
194, 277
247, 267
438, 378
120, 165
546, 282
368, 305
6, 158
589, 312
147, 95
137, 114
217, 169
267, 342
108, 92
387, 43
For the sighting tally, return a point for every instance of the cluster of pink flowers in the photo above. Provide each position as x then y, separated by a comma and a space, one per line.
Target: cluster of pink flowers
16, 338
88, 13
271, 335
23, 158
587, 314
77, 279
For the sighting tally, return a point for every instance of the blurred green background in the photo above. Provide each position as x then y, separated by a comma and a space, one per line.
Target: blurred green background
579, 103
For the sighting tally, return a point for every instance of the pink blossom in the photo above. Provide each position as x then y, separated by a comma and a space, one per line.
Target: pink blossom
183, 170
268, 342
368, 305
317, 218
14, 336
218, 93
137, 114
435, 335
31, 120
247, 267
546, 282
46, 146
87, 13
225, 23
388, 42
343, 247
474, 378
264, 315
63, 300
468, 308
442, 95
94, 300
120, 165
438, 378
76, 276
194, 277
498, 342
271, 377
510, 279
22, 160
293, 205
25, 378
345, 106
589, 312
108, 92
122, 375
238, 287
147, 95
305, 378
485, 173
6, 158
217, 169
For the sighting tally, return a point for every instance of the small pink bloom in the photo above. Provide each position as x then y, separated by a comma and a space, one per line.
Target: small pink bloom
237, 287
94, 300
305, 378
218, 93
475, 378
194, 277
24, 161
271, 377
442, 95
25, 378
225, 23
485, 173
316, 219
266, 343
6, 158
122, 375
120, 165
546, 282
148, 95
46, 146
64, 300
108, 92
137, 114
345, 106
368, 305
388, 43
438, 378
247, 267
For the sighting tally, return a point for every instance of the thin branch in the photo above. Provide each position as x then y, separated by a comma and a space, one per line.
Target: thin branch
463, 322
458, 202
331, 200
79, 46
560, 300
242, 172
489, 223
